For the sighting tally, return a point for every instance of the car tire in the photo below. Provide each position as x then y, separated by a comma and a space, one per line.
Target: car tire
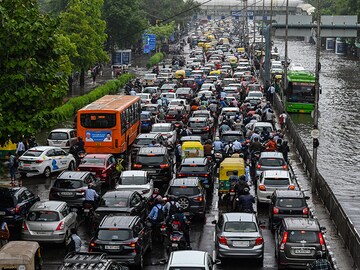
260, 261
140, 263
47, 172
184, 203
71, 166
23, 175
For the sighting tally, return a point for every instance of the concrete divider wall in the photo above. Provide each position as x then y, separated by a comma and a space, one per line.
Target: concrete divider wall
341, 220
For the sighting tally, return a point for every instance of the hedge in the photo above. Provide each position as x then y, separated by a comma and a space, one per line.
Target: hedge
155, 59
69, 109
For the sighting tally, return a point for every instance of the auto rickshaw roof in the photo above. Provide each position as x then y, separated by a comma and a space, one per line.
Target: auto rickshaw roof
18, 252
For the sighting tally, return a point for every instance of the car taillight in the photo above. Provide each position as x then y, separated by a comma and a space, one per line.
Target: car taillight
137, 166
180, 175
283, 241
92, 244
306, 211
206, 128
276, 210
39, 161
222, 240
67, 143
164, 166
291, 187
203, 175
61, 226
199, 199
131, 244
262, 187
259, 241
285, 167
258, 166
322, 241
25, 228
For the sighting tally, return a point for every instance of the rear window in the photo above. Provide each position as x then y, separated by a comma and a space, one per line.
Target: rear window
172, 112
161, 128
114, 235
93, 161
184, 191
276, 182
269, 129
272, 162
45, 216
69, 184
186, 268
150, 108
145, 117
185, 168
98, 120
291, 203
197, 124
303, 237
151, 160
32, 153
240, 227
6, 199
133, 180
143, 141
232, 138
109, 201
58, 136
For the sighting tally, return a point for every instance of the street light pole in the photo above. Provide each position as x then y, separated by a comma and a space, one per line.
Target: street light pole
284, 80
317, 92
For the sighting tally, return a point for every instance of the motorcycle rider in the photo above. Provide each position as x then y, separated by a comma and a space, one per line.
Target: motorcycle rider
256, 146
156, 215
180, 219
237, 146
208, 148
154, 198
241, 185
321, 263
271, 145
284, 149
90, 196
80, 145
170, 208
224, 127
218, 145
246, 202
265, 134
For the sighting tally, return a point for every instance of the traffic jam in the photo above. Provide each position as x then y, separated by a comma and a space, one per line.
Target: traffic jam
186, 169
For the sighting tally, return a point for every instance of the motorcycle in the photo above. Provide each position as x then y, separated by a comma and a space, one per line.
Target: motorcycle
176, 242
231, 195
218, 157
88, 214
78, 155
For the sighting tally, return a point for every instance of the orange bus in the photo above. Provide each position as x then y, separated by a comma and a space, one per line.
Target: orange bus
110, 124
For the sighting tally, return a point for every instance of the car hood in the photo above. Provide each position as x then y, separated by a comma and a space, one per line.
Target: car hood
241, 234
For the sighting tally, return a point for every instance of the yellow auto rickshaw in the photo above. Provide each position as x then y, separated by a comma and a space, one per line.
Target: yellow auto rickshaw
192, 149
240, 50
21, 255
215, 72
201, 44
180, 74
226, 168
9, 146
233, 61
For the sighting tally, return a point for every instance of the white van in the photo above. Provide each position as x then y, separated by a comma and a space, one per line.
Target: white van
62, 137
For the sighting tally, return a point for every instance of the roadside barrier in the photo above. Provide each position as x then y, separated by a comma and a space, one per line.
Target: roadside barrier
341, 220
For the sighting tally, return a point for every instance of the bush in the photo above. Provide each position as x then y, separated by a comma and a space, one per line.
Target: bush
69, 109
155, 59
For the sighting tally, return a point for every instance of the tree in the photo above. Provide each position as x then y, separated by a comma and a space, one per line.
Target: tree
125, 22
83, 25
33, 67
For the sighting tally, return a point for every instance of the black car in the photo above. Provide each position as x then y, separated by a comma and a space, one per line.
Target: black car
122, 203
124, 239
190, 194
157, 161
287, 203
201, 126
201, 168
144, 140
70, 186
15, 203
85, 260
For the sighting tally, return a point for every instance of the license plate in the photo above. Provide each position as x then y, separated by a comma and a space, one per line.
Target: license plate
86, 210
240, 243
151, 171
43, 233
2, 213
196, 130
302, 251
174, 245
67, 193
232, 193
112, 247
56, 142
26, 168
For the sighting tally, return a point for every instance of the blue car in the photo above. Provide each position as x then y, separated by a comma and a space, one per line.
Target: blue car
146, 121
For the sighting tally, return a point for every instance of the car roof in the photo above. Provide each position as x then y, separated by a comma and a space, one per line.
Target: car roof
201, 112
247, 217
186, 181
133, 173
120, 222
188, 258
77, 175
196, 160
230, 109
119, 193
276, 174
198, 119
84, 260
263, 124
289, 194
162, 125
146, 112
43, 148
97, 155
62, 130
48, 205
271, 155
148, 135
156, 150
191, 138
306, 224
232, 132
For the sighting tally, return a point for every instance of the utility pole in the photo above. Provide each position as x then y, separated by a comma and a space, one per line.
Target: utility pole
284, 80
317, 92
262, 39
270, 43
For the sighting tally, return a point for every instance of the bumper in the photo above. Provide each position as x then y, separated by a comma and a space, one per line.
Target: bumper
297, 263
261, 196
49, 238
32, 171
131, 258
194, 211
255, 252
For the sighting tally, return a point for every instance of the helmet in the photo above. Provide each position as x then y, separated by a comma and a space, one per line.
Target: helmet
235, 172
242, 178
217, 139
208, 141
246, 190
80, 138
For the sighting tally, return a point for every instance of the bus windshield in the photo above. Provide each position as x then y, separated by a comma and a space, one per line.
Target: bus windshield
301, 92
98, 120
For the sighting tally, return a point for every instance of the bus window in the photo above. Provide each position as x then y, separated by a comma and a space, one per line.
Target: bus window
96, 120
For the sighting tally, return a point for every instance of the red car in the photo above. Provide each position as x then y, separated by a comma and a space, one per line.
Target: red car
170, 116
103, 165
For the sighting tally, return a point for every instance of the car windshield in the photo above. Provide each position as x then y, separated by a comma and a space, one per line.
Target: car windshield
6, 199
196, 168
230, 113
111, 200
113, 235
150, 108
303, 237
68, 184
32, 153
232, 138
254, 94
184, 191
93, 161
58, 136
161, 128
182, 91
271, 162
151, 159
145, 117
259, 128
133, 180
276, 182
45, 216
291, 203
238, 226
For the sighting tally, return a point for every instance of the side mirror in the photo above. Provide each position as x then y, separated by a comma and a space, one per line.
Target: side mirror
268, 197
214, 222
307, 197
323, 229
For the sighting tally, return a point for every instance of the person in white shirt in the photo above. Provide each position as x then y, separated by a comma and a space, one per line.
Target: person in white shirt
20, 148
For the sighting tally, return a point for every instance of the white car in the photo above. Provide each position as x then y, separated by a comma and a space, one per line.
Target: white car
272, 180
228, 111
145, 98
150, 79
191, 259
207, 87
177, 101
255, 95
136, 180
45, 160
169, 96
259, 126
208, 94
167, 130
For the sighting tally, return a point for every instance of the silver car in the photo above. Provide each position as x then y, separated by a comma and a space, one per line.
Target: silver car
48, 222
238, 235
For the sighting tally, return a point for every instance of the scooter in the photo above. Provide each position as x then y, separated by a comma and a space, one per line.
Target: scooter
176, 242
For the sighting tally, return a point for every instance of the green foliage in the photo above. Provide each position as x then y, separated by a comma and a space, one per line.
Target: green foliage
338, 7
34, 66
155, 59
162, 31
60, 114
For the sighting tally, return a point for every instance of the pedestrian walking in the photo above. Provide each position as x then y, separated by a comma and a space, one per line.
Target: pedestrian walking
20, 148
271, 93
13, 165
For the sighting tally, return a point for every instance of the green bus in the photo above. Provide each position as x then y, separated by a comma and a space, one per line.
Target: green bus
300, 92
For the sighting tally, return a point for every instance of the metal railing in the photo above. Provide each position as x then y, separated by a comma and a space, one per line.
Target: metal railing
341, 220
